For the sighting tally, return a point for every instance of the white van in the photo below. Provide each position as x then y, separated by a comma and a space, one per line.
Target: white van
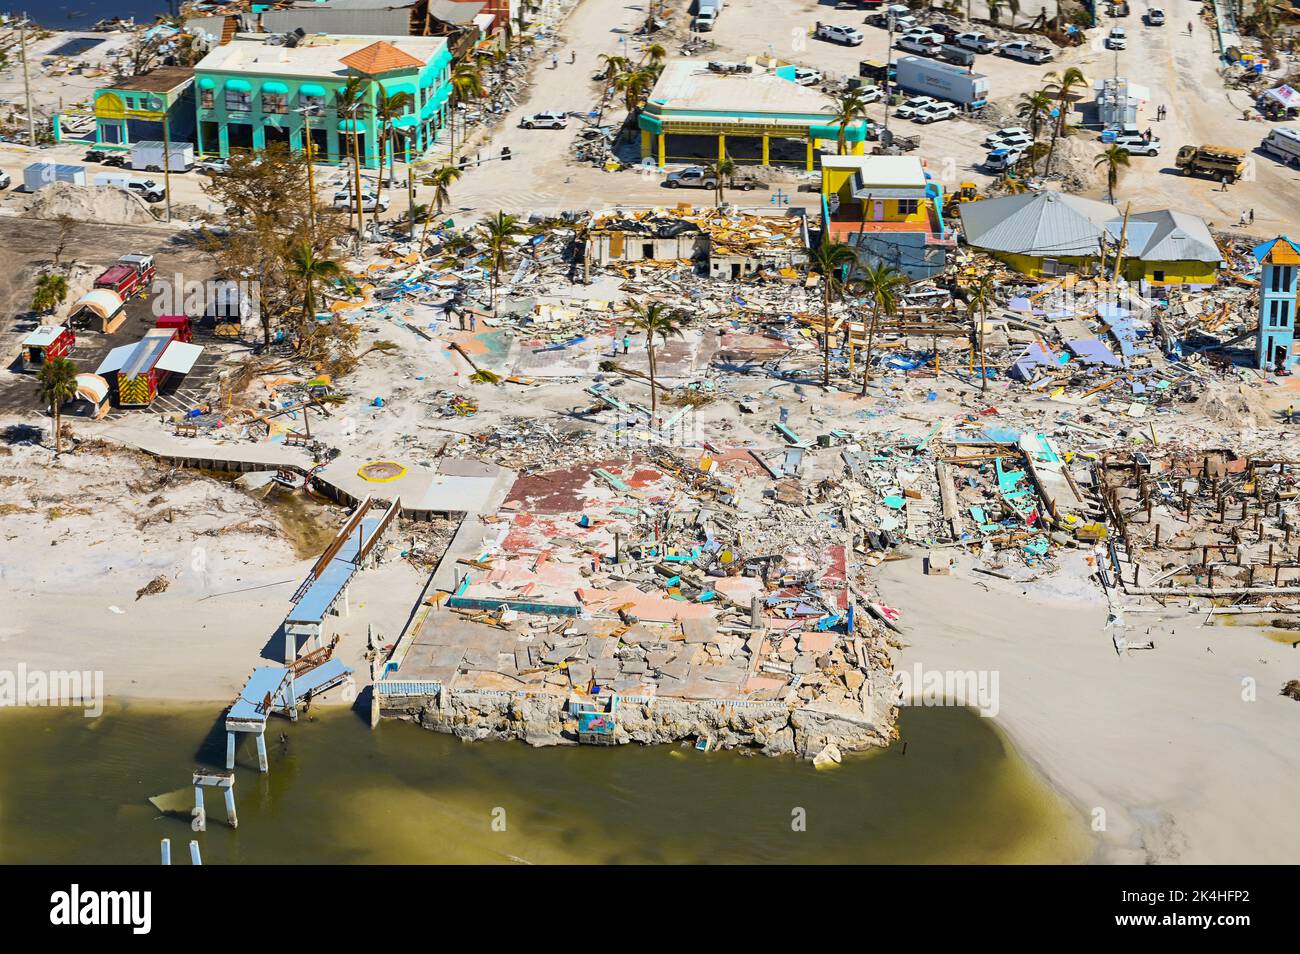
1283, 143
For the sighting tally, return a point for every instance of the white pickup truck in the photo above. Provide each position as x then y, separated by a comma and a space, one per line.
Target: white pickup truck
1023, 50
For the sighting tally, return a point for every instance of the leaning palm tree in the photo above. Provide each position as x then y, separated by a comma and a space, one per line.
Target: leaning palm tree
308, 268
849, 109
56, 384
614, 67
883, 283
466, 82
657, 320
655, 53
441, 179
1113, 159
500, 232
1061, 85
722, 170
831, 260
977, 302
1033, 108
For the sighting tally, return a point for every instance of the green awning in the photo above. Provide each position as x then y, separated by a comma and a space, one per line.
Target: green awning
274, 87
207, 82
239, 86
311, 89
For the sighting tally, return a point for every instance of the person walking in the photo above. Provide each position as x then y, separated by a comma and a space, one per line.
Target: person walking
1241, 220
627, 344
1252, 216
1289, 416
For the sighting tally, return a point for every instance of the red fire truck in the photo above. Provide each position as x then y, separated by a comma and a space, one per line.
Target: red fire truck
177, 323
130, 276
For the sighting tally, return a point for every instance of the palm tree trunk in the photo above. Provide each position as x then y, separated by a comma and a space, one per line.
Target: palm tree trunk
984, 368
58, 428
871, 341
826, 334
654, 393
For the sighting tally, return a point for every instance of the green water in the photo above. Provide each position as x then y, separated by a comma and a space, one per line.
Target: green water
77, 790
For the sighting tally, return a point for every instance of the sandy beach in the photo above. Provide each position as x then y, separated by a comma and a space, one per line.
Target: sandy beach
1161, 741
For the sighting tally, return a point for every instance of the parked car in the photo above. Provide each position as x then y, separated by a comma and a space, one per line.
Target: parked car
934, 112
1008, 137
979, 42
1135, 144
919, 45
944, 30
908, 107
545, 121
705, 21
871, 94
1116, 39
107, 157
213, 166
692, 177
1026, 51
845, 35
1155, 17
1003, 158
926, 34
806, 76
344, 200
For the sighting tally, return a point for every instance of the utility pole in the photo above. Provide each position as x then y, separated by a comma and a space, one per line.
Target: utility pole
27, 82
889, 61
167, 163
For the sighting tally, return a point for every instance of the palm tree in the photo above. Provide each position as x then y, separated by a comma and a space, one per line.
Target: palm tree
351, 101
995, 10
830, 260
309, 268
634, 85
1062, 84
882, 282
657, 320
722, 171
1114, 159
978, 301
614, 66
56, 384
501, 230
388, 107
466, 81
51, 290
1034, 108
655, 53
849, 109
441, 180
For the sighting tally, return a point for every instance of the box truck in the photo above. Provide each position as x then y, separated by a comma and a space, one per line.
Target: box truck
148, 156
943, 81
1284, 144
40, 174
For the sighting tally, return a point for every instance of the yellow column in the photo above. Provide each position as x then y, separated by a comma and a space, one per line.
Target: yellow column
645, 143
722, 147
766, 140
858, 148
662, 163
810, 152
